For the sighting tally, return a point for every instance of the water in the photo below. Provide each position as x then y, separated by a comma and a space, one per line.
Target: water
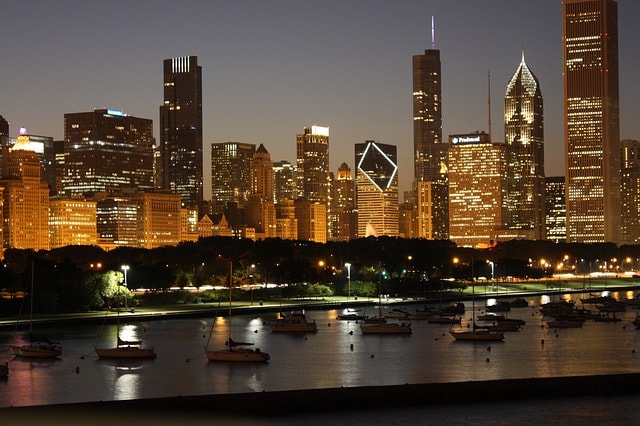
337, 355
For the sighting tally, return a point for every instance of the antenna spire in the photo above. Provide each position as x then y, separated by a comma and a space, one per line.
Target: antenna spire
433, 32
489, 101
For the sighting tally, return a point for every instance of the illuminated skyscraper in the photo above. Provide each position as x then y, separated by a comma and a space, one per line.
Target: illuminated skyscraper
430, 151
556, 211
524, 138
312, 156
592, 130
179, 161
343, 215
377, 189
107, 151
262, 174
630, 192
284, 181
25, 198
476, 189
231, 171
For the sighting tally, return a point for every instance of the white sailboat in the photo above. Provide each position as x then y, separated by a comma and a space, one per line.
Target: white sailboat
235, 351
36, 348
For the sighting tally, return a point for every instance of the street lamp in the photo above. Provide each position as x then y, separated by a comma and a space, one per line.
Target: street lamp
125, 268
348, 266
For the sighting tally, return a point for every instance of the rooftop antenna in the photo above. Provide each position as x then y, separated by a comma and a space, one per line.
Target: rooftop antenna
489, 101
433, 32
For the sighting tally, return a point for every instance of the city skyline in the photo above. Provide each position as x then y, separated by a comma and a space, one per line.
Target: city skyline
270, 68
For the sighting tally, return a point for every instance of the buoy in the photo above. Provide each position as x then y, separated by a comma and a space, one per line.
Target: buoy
329, 325
77, 370
351, 346
542, 341
255, 331
487, 359
489, 348
372, 355
351, 332
633, 351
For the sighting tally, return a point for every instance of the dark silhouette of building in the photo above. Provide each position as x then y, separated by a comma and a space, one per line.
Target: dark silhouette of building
179, 166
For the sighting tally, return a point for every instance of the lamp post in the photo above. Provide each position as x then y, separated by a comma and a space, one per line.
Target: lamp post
125, 268
348, 265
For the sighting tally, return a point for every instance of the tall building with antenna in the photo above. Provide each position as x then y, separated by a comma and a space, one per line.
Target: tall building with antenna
430, 151
524, 138
591, 120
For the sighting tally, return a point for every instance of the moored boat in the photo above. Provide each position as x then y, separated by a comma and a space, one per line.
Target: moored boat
294, 323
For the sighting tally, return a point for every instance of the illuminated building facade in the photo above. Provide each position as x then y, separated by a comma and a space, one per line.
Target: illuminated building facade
312, 159
312, 221
25, 198
476, 189
630, 192
72, 222
284, 181
117, 221
556, 210
286, 222
591, 111
158, 219
343, 217
430, 151
262, 174
179, 166
231, 171
524, 139
377, 189
107, 151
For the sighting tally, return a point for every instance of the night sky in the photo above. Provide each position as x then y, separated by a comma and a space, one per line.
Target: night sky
272, 67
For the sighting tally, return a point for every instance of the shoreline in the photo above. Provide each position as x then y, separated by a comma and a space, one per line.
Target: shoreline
296, 402
209, 310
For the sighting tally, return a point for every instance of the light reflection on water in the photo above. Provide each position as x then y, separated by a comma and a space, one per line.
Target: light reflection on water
336, 355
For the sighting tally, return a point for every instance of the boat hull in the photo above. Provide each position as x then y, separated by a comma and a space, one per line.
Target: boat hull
31, 351
386, 329
126, 353
477, 336
237, 355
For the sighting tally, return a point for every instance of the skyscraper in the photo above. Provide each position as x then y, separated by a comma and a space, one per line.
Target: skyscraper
476, 189
630, 192
107, 151
377, 189
312, 157
430, 151
25, 198
231, 171
556, 210
262, 174
591, 114
524, 138
179, 166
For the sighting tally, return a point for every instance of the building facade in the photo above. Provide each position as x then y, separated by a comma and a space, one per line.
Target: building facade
524, 138
630, 192
556, 210
25, 198
591, 114
231, 178
430, 150
377, 189
476, 189
179, 166
107, 151
72, 222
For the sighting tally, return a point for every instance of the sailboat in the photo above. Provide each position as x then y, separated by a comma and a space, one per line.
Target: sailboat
126, 349
41, 348
235, 351
382, 326
476, 334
